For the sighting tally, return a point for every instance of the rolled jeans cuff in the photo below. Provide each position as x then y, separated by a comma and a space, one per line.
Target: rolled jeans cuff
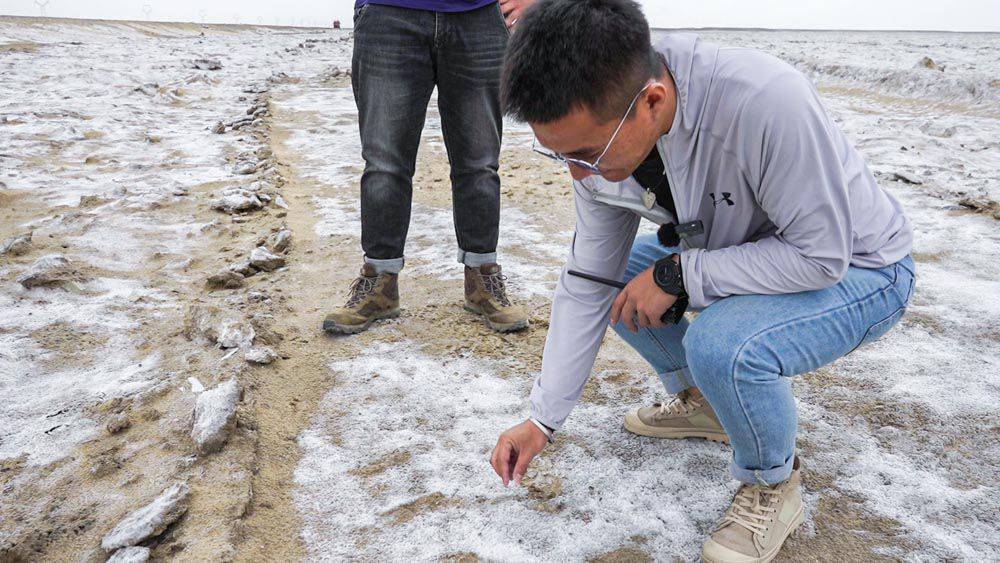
474, 259
771, 476
676, 381
390, 266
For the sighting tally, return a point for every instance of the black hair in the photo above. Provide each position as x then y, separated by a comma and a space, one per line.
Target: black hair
567, 54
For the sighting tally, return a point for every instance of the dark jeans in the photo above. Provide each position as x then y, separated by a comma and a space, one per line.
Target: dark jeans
400, 55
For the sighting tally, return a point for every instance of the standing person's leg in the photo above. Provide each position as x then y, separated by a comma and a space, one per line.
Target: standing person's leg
741, 351
392, 75
470, 51
687, 414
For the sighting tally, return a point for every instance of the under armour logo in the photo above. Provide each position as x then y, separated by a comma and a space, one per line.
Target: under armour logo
725, 198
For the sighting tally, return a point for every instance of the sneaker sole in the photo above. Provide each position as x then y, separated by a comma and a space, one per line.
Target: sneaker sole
499, 327
800, 517
636, 426
336, 328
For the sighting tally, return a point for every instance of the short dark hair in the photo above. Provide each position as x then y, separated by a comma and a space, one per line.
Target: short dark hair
567, 54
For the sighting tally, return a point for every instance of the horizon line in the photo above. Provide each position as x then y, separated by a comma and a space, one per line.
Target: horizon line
652, 28
878, 30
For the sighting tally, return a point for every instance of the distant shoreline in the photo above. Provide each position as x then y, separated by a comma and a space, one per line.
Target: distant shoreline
779, 29
280, 26
83, 21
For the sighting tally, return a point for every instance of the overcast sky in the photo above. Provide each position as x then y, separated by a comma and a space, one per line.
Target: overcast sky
958, 15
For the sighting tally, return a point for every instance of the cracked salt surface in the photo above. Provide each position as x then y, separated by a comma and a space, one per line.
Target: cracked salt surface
44, 410
438, 419
111, 112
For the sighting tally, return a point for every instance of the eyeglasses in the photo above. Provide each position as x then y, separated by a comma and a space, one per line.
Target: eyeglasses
593, 168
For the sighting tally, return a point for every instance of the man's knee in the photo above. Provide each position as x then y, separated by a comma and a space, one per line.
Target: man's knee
721, 356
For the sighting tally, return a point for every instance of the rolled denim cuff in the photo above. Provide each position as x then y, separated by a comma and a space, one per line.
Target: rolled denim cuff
676, 381
475, 260
771, 476
390, 266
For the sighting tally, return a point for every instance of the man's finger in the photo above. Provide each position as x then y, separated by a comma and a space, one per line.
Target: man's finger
655, 322
522, 465
628, 314
616, 307
643, 319
503, 460
493, 458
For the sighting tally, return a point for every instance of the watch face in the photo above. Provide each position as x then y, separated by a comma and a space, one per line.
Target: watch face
667, 276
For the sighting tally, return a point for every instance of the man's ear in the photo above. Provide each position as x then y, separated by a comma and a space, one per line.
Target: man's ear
656, 98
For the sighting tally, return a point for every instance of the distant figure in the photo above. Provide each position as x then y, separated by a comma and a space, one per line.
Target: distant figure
402, 50
336, 24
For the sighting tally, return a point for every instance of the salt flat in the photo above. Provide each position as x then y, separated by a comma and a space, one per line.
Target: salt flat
376, 446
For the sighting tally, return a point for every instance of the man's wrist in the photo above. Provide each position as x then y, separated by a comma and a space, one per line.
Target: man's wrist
668, 276
549, 433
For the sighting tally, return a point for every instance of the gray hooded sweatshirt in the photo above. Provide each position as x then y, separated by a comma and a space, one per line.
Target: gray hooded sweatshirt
786, 201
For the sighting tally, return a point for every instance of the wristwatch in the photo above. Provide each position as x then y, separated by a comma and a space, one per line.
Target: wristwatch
668, 276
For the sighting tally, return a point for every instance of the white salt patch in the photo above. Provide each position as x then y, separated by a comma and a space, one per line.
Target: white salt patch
446, 414
44, 411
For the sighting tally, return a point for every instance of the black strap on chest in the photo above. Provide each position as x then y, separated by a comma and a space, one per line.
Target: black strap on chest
670, 234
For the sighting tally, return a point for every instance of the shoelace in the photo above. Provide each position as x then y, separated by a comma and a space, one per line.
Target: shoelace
752, 508
496, 285
682, 403
360, 289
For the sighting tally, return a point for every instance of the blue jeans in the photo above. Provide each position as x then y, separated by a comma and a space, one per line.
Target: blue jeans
741, 350
400, 56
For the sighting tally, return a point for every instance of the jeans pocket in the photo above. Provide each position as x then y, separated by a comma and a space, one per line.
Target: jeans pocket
880, 328
503, 19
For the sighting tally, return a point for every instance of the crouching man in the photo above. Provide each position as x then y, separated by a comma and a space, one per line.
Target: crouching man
773, 228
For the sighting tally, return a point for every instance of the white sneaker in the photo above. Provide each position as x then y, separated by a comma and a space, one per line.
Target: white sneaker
756, 525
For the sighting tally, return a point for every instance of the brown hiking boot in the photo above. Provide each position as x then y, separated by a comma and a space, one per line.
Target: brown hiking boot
486, 294
373, 296
684, 416
757, 524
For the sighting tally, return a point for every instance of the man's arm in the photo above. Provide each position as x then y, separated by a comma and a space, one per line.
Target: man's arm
580, 308
792, 157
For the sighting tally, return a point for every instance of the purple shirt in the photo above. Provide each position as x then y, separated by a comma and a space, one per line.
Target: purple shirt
431, 5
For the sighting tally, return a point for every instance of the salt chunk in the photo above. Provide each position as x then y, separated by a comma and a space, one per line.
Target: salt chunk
196, 386
207, 64
51, 269
134, 554
150, 520
215, 416
261, 355
17, 246
280, 241
233, 333
237, 200
263, 259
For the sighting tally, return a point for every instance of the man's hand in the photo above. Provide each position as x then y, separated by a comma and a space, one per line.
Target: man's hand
512, 10
515, 449
641, 300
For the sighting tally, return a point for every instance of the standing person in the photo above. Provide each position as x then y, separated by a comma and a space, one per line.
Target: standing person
402, 50
772, 226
